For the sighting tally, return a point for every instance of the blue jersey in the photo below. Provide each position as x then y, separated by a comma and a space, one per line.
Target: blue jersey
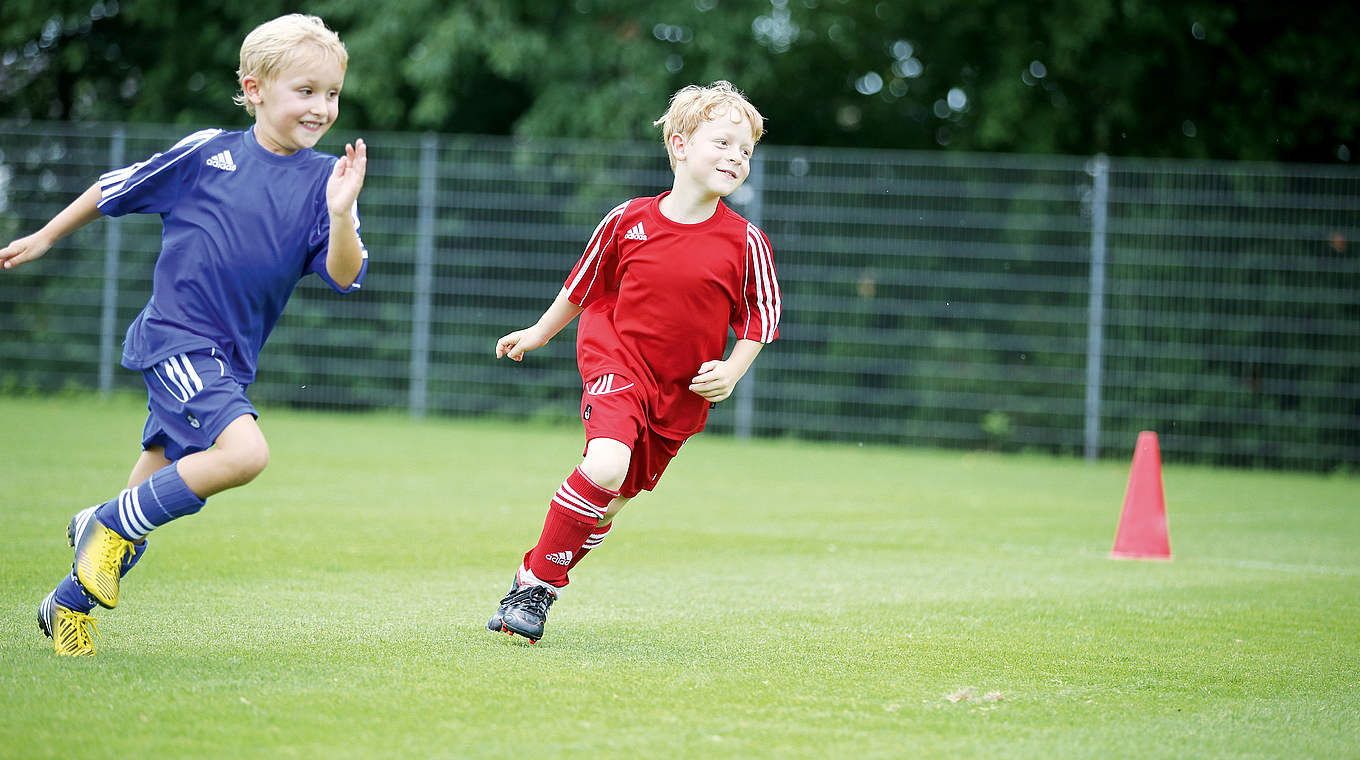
241, 227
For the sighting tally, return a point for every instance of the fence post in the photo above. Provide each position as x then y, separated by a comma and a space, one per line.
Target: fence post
108, 314
744, 421
1099, 169
423, 273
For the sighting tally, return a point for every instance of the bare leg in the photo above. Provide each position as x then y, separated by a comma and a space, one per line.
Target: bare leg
152, 459
615, 507
239, 454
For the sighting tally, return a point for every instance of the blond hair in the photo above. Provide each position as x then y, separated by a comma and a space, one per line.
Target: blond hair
693, 105
274, 46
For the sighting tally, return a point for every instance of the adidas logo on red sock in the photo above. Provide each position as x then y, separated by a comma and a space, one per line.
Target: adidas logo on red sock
559, 558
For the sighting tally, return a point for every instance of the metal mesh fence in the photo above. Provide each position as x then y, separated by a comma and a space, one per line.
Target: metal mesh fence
1007, 302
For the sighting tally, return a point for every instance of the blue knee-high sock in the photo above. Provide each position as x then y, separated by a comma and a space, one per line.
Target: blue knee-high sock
71, 595
156, 501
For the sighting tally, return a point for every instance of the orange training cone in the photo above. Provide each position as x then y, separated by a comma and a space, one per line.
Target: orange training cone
1142, 525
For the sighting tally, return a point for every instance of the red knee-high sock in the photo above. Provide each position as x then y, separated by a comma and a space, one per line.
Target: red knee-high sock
575, 510
595, 538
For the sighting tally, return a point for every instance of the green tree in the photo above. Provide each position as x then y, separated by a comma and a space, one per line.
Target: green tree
1205, 78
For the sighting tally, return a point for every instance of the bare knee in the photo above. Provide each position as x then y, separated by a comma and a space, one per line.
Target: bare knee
251, 460
605, 475
241, 453
606, 462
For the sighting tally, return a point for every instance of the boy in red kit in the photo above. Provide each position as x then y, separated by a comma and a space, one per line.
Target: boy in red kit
657, 288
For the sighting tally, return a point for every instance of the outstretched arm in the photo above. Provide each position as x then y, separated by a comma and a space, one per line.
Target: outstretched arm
717, 378
81, 212
345, 257
537, 335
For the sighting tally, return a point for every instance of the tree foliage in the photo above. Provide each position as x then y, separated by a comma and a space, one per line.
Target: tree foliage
1204, 78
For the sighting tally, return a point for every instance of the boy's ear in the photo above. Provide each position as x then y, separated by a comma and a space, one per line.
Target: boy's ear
677, 143
250, 88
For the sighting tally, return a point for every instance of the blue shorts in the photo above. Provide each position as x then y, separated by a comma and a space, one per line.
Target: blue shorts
192, 398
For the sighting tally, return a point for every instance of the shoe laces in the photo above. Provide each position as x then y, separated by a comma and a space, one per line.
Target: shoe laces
111, 561
533, 599
82, 625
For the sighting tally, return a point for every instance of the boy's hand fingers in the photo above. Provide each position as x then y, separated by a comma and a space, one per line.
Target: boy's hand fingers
358, 156
506, 346
18, 252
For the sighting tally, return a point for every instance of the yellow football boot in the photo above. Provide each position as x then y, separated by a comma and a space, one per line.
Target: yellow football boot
99, 562
72, 632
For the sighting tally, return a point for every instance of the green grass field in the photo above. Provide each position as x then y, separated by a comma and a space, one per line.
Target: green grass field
771, 599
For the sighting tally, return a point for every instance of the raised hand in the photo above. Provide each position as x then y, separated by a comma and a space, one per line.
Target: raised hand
347, 178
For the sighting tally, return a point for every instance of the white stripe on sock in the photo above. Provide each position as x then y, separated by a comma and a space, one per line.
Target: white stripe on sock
593, 515
570, 497
125, 516
139, 513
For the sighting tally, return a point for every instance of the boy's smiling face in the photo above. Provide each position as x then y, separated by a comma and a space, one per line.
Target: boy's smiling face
295, 108
716, 157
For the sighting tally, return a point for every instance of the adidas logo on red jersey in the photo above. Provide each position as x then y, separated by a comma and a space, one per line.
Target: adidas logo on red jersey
560, 558
635, 233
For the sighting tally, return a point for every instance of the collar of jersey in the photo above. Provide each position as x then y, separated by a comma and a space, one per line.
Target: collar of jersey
258, 150
654, 210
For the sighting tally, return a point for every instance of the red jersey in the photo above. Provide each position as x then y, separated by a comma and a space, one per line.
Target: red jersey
659, 298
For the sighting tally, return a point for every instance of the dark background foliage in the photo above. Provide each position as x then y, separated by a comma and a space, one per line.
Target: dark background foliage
1156, 78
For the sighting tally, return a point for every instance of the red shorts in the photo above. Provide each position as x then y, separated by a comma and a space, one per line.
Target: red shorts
611, 407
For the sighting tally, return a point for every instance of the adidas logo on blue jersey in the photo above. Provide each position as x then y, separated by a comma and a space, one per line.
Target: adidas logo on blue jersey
223, 161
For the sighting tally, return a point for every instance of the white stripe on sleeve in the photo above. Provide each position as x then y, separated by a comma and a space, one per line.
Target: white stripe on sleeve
767, 304
115, 183
590, 259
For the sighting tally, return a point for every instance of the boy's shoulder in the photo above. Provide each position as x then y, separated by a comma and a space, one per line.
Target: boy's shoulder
201, 137
724, 218
225, 146
729, 216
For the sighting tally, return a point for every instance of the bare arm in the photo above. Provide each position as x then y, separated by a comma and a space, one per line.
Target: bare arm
345, 256
559, 315
79, 213
718, 378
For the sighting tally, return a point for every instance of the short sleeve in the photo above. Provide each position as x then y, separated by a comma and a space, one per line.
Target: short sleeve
756, 317
596, 273
319, 247
154, 185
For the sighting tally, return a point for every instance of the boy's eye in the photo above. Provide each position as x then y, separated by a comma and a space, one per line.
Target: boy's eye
305, 90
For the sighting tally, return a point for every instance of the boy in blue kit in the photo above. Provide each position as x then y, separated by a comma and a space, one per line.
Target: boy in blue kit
246, 215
